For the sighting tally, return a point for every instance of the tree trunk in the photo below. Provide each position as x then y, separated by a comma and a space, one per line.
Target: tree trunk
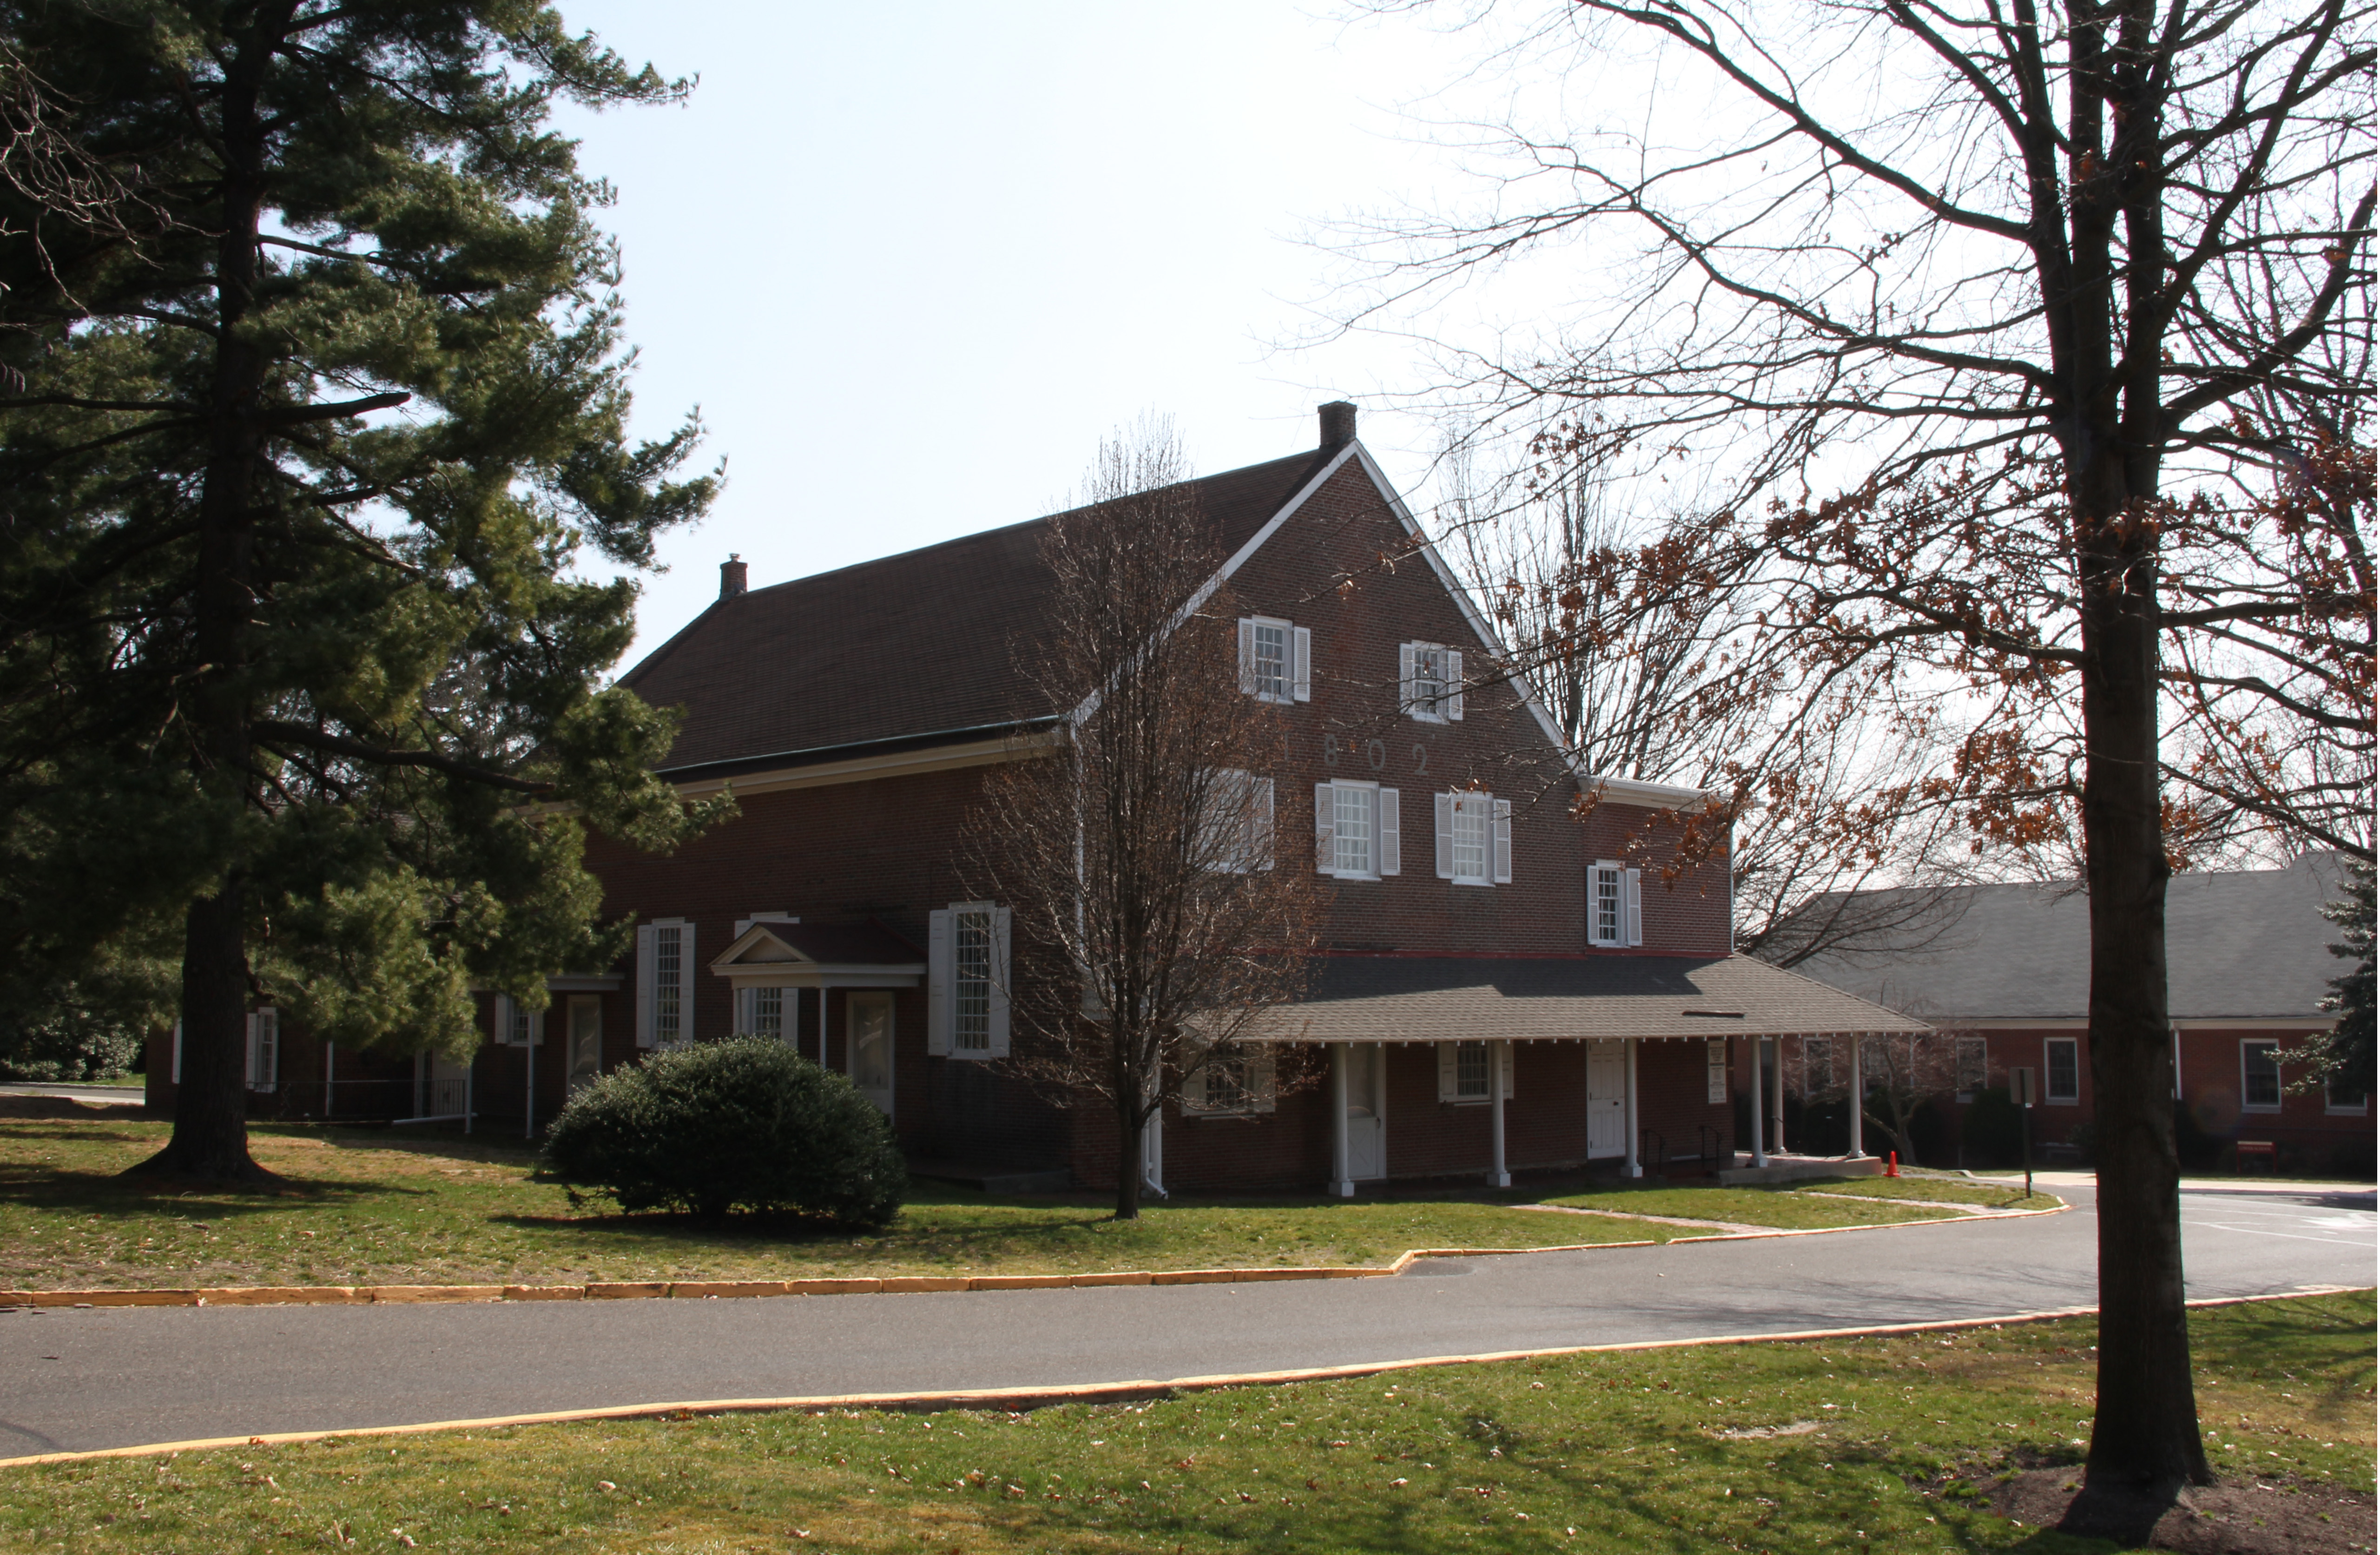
211, 1110
1128, 1130
2146, 1435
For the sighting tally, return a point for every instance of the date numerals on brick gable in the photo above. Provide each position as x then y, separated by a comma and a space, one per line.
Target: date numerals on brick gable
1373, 753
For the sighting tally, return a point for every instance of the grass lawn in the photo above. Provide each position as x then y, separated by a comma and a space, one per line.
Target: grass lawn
1834, 1445
1800, 1205
383, 1207
1939, 1190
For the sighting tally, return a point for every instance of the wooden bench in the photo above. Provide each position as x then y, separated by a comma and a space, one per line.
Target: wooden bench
2259, 1149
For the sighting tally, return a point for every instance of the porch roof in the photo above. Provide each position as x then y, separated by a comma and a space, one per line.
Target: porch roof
1470, 999
782, 953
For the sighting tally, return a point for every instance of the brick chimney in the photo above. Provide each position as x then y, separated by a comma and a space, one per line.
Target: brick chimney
731, 575
1338, 423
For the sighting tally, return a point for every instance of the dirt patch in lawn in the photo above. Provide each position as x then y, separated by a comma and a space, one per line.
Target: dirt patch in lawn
2240, 1517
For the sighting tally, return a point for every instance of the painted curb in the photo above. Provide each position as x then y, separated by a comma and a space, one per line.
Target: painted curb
895, 1284
1013, 1399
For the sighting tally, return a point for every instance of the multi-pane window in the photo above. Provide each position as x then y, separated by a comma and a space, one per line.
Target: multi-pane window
1605, 908
1715, 1073
2061, 1078
1238, 832
2260, 1073
1228, 1083
1430, 681
1274, 659
765, 1012
1475, 842
518, 1036
2340, 1094
1269, 663
971, 980
1471, 1071
263, 1049
1354, 813
1974, 1065
669, 982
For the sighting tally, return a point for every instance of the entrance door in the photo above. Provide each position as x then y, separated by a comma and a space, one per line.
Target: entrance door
1607, 1100
1368, 1141
585, 1054
869, 1050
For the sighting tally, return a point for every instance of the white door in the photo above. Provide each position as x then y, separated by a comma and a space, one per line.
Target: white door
585, 1054
869, 1051
450, 1088
1607, 1100
1368, 1141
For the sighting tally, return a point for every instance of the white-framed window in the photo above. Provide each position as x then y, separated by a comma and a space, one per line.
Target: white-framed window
966, 980
2260, 1074
1356, 836
1615, 905
517, 1026
760, 1012
1238, 835
1474, 839
1715, 1072
1429, 682
1235, 1083
1464, 1069
664, 982
1974, 1065
2061, 1071
1276, 660
264, 1048
2339, 1096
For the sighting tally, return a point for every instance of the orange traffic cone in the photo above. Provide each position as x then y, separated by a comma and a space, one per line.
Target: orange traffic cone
1892, 1166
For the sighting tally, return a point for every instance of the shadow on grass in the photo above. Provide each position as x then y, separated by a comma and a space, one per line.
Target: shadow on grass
103, 1193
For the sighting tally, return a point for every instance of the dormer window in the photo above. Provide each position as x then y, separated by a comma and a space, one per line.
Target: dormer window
1276, 660
1429, 682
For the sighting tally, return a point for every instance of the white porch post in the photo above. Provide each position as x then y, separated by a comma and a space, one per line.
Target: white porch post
1635, 1168
1759, 1111
470, 1073
1340, 1183
1776, 1100
528, 1108
1498, 1056
1859, 1098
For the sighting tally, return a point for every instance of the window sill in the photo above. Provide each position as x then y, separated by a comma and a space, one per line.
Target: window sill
2263, 1109
1349, 875
2363, 1112
2062, 1101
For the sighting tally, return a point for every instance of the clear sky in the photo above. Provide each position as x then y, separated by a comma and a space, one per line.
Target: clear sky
913, 261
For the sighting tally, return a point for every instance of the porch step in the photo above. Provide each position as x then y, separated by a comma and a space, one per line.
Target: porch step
1798, 1170
994, 1179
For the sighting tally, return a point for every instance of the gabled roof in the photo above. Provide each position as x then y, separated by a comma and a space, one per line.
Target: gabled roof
1470, 999
2246, 944
914, 648
819, 949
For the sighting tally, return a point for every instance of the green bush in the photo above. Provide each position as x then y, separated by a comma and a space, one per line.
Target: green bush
743, 1124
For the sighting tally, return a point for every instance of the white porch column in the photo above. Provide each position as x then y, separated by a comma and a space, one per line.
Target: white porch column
1777, 1099
1859, 1098
1759, 1111
528, 1108
1635, 1168
1498, 1058
470, 1073
1340, 1183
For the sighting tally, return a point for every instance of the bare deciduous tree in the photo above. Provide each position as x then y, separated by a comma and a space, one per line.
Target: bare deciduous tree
1140, 855
2033, 268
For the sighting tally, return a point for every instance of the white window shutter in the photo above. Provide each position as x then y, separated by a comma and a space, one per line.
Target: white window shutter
1000, 931
1503, 842
1404, 677
536, 1028
645, 963
1325, 816
1446, 1081
1636, 907
268, 1030
686, 982
178, 1052
748, 1017
1301, 664
247, 1060
1260, 823
1247, 655
1445, 806
1391, 844
1450, 705
501, 1006
937, 984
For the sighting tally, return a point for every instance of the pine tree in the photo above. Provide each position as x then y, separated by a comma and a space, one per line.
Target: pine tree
2344, 1054
314, 398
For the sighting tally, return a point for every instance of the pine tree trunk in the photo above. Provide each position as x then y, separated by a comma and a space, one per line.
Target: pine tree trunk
211, 1110
2145, 1434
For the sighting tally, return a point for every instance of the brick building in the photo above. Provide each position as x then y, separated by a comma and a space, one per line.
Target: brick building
2003, 971
1475, 927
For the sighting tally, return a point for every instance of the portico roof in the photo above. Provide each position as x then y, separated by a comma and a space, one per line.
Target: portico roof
779, 953
1529, 998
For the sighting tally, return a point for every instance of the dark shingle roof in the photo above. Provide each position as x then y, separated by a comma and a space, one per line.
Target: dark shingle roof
1469, 999
907, 648
2243, 945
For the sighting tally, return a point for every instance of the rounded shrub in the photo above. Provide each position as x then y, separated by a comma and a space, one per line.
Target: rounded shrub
742, 1124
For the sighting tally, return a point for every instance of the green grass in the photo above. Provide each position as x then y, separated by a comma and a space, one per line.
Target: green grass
1813, 1446
1939, 1190
382, 1207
